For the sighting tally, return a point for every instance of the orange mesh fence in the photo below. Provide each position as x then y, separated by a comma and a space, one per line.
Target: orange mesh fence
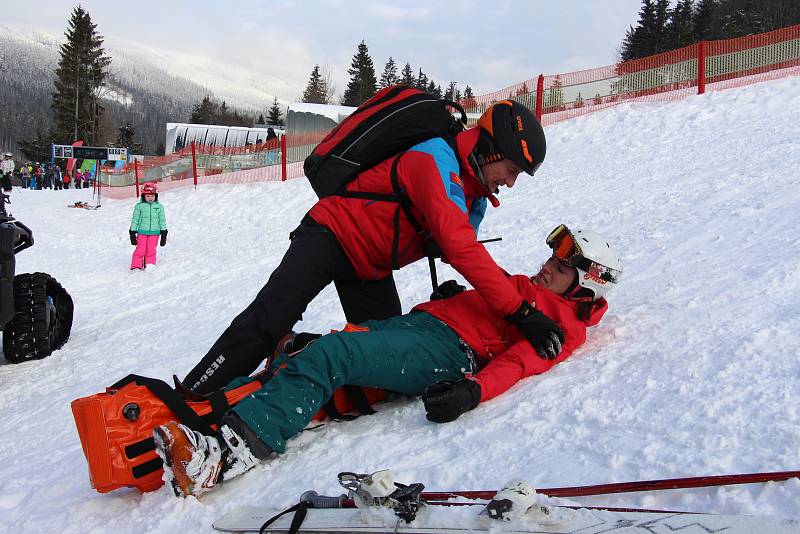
668, 76
755, 58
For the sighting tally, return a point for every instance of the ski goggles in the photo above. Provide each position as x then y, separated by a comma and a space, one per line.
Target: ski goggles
566, 248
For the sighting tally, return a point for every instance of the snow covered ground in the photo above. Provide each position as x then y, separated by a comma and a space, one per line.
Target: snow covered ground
694, 371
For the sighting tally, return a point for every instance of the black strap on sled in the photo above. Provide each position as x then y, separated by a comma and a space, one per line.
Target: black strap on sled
357, 396
172, 400
300, 509
183, 413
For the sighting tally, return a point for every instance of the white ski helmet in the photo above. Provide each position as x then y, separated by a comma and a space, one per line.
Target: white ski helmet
598, 264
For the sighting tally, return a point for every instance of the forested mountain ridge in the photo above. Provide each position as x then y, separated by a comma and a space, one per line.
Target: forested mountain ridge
137, 91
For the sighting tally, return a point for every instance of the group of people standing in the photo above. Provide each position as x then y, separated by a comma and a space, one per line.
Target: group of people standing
37, 175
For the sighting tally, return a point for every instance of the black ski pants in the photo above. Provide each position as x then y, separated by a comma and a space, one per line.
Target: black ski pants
314, 259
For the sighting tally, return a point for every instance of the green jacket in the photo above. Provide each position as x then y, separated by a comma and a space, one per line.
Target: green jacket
148, 218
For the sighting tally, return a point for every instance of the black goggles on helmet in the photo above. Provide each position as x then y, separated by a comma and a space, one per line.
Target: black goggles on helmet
566, 249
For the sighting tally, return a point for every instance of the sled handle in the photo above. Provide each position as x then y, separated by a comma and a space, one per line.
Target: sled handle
323, 501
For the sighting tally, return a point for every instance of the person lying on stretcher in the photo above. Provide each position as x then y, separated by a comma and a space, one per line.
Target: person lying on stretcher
453, 350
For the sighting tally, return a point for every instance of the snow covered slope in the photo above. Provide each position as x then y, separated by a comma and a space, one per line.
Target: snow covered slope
695, 370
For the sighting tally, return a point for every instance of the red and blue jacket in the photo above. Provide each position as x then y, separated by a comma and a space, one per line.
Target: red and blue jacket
504, 355
446, 199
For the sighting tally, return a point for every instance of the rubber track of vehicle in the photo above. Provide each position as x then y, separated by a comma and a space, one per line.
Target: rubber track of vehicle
26, 337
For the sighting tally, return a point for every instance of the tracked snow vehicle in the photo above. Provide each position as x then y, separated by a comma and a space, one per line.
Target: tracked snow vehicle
35, 311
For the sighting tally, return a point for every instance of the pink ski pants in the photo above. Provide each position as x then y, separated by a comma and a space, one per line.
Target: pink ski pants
145, 253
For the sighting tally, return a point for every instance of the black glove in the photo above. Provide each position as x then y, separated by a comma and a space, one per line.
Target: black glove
446, 401
133, 237
543, 334
163, 237
448, 289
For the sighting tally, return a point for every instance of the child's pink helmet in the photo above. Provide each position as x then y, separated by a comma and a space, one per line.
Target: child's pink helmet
150, 188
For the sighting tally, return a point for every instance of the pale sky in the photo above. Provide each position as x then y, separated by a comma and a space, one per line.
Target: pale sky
488, 45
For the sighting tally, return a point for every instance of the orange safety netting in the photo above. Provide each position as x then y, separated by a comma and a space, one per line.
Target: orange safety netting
667, 76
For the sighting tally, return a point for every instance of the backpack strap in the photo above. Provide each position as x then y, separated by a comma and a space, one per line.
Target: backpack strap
364, 195
430, 247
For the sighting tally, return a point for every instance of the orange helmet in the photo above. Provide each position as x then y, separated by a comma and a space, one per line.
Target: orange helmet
512, 132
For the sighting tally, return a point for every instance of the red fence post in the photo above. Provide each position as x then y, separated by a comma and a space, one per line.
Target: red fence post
97, 179
283, 158
194, 165
136, 175
539, 97
701, 67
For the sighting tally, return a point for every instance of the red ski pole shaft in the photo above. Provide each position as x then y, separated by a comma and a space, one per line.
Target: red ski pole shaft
639, 485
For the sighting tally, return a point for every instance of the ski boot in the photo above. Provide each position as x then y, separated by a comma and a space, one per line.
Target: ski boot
194, 463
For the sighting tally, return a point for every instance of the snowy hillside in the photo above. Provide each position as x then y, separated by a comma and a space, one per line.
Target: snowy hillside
694, 371
140, 90
158, 71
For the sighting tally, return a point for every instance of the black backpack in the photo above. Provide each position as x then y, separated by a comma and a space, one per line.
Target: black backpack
392, 121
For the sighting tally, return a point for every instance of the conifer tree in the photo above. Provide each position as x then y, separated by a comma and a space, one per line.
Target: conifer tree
362, 83
316, 90
275, 117
638, 41
38, 148
450, 92
746, 20
680, 28
407, 76
659, 28
124, 139
205, 112
779, 13
208, 111
79, 79
389, 74
555, 95
260, 119
125, 135
705, 22
468, 102
422, 80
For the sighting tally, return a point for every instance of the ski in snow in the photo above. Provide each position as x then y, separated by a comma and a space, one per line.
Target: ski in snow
375, 503
464, 519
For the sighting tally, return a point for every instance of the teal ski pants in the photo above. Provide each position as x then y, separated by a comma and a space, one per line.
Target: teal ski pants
404, 354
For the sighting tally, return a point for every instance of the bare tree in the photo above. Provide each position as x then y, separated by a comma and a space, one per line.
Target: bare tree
330, 88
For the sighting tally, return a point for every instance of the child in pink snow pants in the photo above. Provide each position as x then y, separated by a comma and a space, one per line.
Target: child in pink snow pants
148, 224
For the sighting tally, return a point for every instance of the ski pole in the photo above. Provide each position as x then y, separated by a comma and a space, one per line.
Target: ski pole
432, 267
432, 262
633, 486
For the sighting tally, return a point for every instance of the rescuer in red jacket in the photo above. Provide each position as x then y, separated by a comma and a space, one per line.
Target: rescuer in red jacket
455, 350
355, 243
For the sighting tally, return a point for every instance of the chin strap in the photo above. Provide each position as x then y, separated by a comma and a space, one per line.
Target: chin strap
472, 159
576, 293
